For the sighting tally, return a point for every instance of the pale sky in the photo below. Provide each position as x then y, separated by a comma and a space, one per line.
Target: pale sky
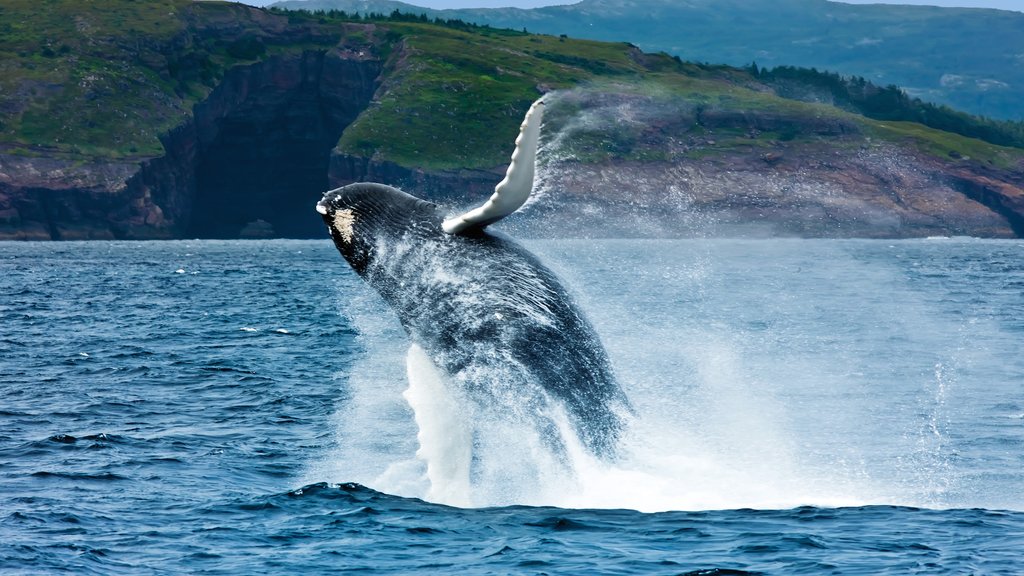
1017, 5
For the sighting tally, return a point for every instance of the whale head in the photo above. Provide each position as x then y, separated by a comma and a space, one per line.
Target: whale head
360, 216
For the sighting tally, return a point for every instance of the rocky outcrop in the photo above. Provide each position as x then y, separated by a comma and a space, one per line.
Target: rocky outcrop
1002, 193
53, 197
880, 192
693, 170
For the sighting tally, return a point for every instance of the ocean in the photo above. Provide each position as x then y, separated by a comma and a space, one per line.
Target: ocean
237, 407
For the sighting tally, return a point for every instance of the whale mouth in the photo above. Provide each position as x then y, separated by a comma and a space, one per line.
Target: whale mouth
339, 216
332, 201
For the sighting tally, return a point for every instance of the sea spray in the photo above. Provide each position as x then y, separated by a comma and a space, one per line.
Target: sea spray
754, 386
373, 440
478, 455
603, 172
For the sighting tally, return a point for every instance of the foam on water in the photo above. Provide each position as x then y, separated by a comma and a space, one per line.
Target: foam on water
738, 458
478, 456
374, 432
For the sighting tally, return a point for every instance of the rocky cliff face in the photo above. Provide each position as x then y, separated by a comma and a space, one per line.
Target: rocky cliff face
707, 159
43, 198
266, 137
683, 170
256, 149
883, 192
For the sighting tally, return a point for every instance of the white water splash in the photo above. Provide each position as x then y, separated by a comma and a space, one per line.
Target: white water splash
736, 458
765, 396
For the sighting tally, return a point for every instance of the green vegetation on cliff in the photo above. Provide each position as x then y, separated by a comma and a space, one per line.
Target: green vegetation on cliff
458, 90
109, 78
884, 103
455, 98
969, 59
71, 78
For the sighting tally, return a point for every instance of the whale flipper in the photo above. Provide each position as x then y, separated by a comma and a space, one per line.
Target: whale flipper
511, 193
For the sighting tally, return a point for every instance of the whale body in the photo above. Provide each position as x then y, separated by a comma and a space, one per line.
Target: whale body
485, 310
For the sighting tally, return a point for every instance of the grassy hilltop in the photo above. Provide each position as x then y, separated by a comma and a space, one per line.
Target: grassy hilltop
109, 77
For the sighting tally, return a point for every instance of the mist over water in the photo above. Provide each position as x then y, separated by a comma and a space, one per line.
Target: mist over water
842, 373
606, 167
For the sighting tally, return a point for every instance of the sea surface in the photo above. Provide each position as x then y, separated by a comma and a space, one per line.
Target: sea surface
802, 407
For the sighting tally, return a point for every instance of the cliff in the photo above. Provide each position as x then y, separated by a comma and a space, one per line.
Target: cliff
217, 120
272, 118
272, 121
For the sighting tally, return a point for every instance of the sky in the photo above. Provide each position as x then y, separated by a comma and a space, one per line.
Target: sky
1017, 5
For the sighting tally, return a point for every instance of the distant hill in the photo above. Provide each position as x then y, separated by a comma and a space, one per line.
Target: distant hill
970, 59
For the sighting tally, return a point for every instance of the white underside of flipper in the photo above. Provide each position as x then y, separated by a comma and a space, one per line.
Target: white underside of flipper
445, 433
513, 191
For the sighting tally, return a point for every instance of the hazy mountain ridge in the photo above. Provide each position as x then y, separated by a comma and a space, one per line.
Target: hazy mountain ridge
971, 59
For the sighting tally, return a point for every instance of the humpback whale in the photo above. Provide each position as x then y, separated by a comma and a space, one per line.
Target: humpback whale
485, 310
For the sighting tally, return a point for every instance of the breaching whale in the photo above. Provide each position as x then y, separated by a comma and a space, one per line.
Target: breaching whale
486, 311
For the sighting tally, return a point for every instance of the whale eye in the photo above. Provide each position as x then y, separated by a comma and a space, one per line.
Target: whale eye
343, 223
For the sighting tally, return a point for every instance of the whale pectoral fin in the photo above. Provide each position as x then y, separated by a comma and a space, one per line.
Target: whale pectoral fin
512, 192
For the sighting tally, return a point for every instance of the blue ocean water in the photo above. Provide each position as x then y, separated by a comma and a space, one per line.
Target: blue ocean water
803, 406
